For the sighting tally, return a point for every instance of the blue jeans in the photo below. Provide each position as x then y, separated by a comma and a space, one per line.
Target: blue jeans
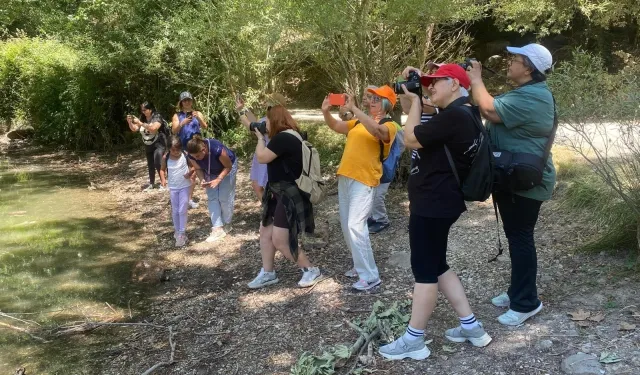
221, 199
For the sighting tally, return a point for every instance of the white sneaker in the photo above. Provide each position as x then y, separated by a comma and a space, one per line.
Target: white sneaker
162, 188
401, 349
263, 279
227, 228
310, 276
351, 273
216, 234
148, 188
501, 300
514, 318
193, 204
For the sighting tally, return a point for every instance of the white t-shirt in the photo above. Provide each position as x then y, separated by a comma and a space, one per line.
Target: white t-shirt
176, 169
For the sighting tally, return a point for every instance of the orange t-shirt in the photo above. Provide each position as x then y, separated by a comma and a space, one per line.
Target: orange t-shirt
361, 157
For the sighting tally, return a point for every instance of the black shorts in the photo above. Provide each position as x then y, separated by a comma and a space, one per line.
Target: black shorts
428, 237
277, 211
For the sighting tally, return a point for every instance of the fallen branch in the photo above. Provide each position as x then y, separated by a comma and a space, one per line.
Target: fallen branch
38, 338
171, 361
18, 319
365, 342
90, 326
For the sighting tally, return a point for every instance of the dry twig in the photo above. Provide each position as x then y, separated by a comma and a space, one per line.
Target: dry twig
171, 361
24, 331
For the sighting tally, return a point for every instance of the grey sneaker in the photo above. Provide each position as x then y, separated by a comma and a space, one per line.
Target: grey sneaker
263, 279
476, 336
366, 285
310, 276
401, 349
181, 240
351, 273
162, 188
193, 204
514, 318
501, 300
148, 188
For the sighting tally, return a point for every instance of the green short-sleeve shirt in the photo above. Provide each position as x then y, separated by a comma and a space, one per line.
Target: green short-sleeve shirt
527, 121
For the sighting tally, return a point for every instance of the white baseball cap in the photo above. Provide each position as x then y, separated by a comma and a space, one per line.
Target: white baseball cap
539, 55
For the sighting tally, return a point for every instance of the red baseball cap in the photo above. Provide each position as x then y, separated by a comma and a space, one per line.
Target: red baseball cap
448, 71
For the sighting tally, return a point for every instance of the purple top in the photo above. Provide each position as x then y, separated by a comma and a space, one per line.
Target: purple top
210, 164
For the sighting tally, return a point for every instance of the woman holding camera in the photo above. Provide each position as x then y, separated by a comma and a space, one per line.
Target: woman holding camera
258, 173
436, 203
154, 140
520, 121
286, 210
216, 167
186, 123
359, 174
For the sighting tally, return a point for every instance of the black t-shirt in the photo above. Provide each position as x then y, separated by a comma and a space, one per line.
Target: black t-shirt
433, 189
288, 165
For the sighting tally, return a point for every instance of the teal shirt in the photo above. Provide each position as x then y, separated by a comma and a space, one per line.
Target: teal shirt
527, 121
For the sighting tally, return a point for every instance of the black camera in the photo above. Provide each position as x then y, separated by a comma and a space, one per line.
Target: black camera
261, 126
467, 63
412, 84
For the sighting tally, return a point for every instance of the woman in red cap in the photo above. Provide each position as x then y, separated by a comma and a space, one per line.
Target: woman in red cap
359, 174
436, 203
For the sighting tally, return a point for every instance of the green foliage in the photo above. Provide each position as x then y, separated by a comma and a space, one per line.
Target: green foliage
546, 17
392, 321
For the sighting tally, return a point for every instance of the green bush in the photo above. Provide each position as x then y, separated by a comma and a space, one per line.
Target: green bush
62, 93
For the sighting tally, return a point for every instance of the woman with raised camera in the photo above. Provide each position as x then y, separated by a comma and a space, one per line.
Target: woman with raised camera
258, 173
286, 210
216, 167
436, 202
359, 174
520, 121
153, 138
186, 123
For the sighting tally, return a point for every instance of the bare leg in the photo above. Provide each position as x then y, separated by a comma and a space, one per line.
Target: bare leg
425, 297
267, 250
280, 238
450, 285
259, 190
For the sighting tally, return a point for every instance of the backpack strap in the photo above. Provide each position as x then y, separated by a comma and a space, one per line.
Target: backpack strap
495, 211
552, 136
297, 135
478, 125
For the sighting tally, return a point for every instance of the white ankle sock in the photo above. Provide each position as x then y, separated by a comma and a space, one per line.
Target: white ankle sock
413, 334
469, 322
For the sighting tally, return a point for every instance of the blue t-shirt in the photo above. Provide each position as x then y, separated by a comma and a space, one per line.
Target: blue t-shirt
210, 164
189, 130
527, 121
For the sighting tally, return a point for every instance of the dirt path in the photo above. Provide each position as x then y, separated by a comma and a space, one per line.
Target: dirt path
224, 328
221, 327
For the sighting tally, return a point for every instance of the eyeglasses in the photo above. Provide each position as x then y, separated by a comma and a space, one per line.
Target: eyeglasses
375, 99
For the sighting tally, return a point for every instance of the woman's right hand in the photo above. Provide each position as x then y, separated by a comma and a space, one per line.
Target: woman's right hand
186, 120
326, 106
408, 69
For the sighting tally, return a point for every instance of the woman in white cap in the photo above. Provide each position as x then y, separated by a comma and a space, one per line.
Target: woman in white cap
185, 124
520, 121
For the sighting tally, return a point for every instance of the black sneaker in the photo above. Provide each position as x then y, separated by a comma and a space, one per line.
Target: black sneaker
370, 221
378, 227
